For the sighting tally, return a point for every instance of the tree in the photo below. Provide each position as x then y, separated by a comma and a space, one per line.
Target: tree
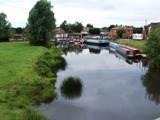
5, 28
89, 25
41, 23
111, 26
64, 26
137, 30
71, 28
94, 31
152, 48
77, 27
120, 32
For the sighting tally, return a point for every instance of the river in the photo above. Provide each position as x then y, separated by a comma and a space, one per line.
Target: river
112, 88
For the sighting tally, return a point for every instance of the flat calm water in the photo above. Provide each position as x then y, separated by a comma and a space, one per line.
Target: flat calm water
113, 88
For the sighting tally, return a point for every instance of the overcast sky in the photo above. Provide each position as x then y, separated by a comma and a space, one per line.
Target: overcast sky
99, 13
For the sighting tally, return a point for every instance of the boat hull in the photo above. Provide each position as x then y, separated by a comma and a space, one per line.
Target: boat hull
124, 52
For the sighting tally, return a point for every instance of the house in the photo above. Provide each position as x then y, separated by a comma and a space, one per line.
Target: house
149, 28
60, 34
128, 32
74, 36
104, 33
85, 31
17, 37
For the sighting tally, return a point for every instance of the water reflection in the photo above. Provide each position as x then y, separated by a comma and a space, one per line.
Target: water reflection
71, 88
61, 65
151, 81
129, 61
96, 49
68, 48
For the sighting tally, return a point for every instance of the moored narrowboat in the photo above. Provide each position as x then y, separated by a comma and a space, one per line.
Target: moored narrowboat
124, 52
113, 45
135, 51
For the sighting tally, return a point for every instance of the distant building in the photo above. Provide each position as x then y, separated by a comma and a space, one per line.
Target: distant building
149, 28
60, 34
17, 37
85, 31
128, 31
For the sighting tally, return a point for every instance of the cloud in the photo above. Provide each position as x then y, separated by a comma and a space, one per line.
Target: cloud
99, 13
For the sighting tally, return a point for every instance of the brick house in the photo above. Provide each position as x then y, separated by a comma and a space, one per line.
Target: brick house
17, 37
149, 28
60, 34
128, 32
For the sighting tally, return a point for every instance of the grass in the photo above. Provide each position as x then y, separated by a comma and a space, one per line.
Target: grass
140, 44
21, 86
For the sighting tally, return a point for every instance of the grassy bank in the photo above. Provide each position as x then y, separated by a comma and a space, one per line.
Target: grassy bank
21, 86
140, 44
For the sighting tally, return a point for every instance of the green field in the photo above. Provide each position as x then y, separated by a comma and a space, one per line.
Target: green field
140, 44
20, 85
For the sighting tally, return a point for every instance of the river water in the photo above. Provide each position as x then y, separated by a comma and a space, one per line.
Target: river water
113, 88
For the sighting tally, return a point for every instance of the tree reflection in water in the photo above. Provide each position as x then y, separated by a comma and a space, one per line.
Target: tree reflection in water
71, 88
72, 48
151, 81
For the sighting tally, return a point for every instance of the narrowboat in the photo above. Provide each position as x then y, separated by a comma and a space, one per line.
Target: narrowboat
113, 45
124, 52
135, 51
97, 41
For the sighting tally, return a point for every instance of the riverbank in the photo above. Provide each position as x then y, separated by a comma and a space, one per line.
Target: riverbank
21, 86
140, 44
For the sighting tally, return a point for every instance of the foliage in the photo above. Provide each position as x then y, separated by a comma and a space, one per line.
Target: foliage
20, 85
110, 27
71, 28
105, 28
41, 23
152, 48
151, 82
120, 32
77, 27
32, 114
71, 87
64, 26
89, 25
5, 28
137, 30
48, 64
18, 30
94, 31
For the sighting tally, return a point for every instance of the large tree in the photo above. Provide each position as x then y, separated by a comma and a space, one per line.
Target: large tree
110, 27
94, 31
153, 48
5, 28
89, 25
41, 23
120, 32
77, 27
64, 26
71, 28
137, 30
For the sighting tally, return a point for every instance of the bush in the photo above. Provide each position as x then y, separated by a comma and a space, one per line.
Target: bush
152, 49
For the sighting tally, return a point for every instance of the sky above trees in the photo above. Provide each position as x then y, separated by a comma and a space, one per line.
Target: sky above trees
99, 13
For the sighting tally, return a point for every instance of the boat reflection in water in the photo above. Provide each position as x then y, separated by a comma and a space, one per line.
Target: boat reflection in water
96, 49
127, 60
151, 81
71, 88
68, 48
141, 62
